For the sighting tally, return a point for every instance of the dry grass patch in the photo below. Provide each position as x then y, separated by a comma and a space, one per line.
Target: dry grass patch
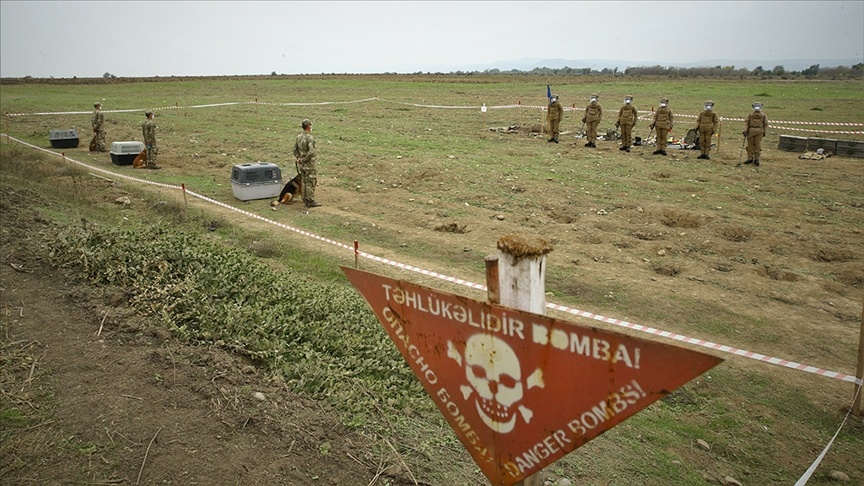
675, 218
667, 269
775, 273
648, 235
451, 228
736, 234
851, 274
833, 254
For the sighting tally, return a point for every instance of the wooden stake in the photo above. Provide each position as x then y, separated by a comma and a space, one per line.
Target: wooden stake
521, 284
492, 280
856, 405
356, 254
719, 132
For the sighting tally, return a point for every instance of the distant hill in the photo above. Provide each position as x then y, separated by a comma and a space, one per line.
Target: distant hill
599, 64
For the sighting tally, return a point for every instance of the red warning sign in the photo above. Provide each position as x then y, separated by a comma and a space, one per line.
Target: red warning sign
521, 390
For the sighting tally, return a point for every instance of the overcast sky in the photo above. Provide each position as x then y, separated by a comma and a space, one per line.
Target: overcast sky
153, 38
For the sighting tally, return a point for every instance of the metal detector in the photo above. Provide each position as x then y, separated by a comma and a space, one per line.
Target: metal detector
645, 141
741, 154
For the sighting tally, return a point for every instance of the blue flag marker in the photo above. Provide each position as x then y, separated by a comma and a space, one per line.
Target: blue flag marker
548, 92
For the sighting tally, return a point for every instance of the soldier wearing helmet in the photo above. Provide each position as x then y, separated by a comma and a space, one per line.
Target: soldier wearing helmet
554, 115
707, 123
626, 121
755, 127
306, 155
592, 117
662, 122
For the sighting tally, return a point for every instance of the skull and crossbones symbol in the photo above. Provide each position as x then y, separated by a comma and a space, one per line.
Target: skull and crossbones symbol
493, 371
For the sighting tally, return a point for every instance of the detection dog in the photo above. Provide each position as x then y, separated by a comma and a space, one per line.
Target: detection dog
292, 188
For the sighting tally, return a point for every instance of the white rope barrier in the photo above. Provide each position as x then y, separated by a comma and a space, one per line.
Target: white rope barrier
629, 325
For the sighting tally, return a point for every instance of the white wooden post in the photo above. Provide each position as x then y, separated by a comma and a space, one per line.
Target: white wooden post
521, 284
522, 272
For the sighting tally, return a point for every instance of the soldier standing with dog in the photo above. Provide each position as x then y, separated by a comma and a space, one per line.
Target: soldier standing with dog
148, 128
306, 155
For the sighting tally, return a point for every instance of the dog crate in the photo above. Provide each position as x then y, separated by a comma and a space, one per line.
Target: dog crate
63, 138
850, 148
261, 180
123, 153
789, 143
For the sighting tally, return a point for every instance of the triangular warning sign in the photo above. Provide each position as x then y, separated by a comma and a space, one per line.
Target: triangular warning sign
521, 390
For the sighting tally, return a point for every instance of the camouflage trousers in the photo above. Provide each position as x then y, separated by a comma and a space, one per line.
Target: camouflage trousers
100, 140
309, 176
152, 152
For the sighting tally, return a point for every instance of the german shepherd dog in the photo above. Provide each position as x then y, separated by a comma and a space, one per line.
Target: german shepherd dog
292, 188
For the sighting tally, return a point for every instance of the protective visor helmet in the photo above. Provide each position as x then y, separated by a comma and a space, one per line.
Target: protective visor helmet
97, 105
148, 113
628, 99
664, 102
709, 104
554, 98
305, 124
594, 97
757, 106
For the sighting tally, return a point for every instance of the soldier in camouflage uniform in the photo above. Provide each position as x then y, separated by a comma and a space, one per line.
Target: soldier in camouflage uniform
626, 121
593, 115
755, 127
98, 123
304, 151
662, 122
707, 123
555, 113
149, 130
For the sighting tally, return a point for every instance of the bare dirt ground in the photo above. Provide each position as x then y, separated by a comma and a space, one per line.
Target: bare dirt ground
93, 394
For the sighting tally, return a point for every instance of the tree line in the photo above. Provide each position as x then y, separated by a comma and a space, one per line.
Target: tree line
778, 72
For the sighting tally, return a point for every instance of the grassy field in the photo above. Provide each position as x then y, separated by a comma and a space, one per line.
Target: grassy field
770, 260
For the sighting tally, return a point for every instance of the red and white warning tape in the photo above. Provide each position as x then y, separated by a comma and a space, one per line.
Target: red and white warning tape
644, 115
637, 327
